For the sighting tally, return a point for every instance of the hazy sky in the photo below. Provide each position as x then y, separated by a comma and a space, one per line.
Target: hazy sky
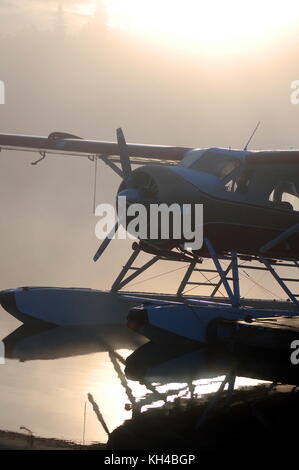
17, 14
192, 74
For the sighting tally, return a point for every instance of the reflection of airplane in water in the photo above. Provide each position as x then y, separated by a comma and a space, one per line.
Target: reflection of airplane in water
166, 372
38, 342
265, 412
150, 362
45, 343
158, 363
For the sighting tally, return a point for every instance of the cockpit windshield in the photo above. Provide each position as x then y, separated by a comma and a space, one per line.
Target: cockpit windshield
216, 164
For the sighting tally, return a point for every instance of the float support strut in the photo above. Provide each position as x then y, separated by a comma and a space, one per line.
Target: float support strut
221, 273
120, 282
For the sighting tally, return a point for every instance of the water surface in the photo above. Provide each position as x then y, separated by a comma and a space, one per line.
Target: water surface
49, 372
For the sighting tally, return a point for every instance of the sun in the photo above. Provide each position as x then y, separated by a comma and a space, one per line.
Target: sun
219, 24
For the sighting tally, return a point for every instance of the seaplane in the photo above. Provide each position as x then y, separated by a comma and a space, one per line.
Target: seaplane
250, 204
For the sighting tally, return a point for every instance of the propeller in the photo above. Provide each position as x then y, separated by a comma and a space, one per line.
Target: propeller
124, 158
129, 191
105, 242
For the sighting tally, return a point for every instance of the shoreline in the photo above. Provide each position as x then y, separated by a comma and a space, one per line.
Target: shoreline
11, 440
265, 411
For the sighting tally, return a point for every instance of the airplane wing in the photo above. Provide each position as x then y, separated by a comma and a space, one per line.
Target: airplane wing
69, 144
273, 156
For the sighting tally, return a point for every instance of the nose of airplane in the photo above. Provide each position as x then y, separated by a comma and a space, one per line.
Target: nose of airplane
158, 184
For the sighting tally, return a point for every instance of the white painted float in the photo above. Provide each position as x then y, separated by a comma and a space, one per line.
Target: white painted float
66, 306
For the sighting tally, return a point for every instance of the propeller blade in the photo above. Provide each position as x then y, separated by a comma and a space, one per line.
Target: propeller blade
106, 242
127, 176
124, 158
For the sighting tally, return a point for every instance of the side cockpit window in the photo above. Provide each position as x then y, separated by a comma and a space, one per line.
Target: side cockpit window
240, 183
285, 196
